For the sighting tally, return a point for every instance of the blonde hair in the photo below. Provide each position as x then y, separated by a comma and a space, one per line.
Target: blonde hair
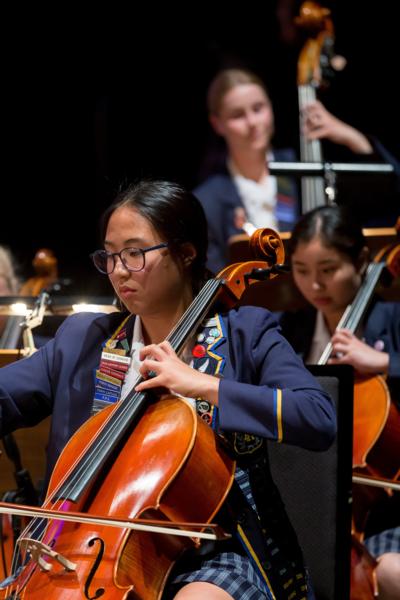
7, 270
224, 81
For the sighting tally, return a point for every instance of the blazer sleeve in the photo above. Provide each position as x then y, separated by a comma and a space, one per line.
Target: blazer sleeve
280, 399
25, 390
27, 387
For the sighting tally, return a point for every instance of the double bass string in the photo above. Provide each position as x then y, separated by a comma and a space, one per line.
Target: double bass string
313, 193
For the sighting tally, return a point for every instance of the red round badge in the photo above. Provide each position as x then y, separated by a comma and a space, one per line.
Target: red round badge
199, 351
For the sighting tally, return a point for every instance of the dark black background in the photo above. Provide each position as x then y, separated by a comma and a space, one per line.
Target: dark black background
93, 101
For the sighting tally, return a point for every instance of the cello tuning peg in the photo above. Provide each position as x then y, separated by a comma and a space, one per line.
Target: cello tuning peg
281, 268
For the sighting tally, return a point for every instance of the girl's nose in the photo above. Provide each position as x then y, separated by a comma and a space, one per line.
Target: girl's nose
316, 284
119, 265
251, 118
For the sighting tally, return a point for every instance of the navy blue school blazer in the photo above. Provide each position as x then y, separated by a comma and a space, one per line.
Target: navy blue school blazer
59, 380
220, 197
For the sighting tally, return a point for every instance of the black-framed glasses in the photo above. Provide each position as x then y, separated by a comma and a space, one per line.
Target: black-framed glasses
133, 259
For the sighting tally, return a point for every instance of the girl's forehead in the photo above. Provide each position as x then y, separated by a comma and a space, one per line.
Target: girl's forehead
243, 92
316, 247
127, 222
128, 216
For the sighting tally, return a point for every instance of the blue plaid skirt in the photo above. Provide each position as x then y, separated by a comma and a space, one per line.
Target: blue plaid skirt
386, 541
230, 571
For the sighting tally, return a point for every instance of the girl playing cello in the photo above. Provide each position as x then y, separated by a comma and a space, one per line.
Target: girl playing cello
329, 256
155, 245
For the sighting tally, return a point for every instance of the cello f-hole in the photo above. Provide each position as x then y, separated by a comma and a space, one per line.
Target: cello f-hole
100, 591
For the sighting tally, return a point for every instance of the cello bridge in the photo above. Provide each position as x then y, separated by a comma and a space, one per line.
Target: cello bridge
38, 551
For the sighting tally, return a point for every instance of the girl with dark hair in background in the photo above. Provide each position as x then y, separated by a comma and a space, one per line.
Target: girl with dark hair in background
329, 257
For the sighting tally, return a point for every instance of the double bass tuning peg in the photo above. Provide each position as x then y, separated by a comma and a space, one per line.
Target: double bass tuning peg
338, 62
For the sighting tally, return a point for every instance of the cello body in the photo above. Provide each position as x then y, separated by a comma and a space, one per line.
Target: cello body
369, 393
169, 468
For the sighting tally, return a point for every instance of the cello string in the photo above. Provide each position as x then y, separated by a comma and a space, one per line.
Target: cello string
355, 311
364, 296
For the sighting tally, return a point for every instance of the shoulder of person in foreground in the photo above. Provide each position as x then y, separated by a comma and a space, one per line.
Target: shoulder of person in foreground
266, 389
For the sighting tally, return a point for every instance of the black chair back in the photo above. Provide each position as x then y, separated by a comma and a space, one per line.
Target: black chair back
316, 489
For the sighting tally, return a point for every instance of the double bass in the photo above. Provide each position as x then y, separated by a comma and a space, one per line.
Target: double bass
314, 69
179, 475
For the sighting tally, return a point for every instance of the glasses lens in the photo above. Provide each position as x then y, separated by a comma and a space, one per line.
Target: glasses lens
133, 258
103, 261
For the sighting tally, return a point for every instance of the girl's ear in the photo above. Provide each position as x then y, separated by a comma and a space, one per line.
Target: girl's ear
216, 124
188, 253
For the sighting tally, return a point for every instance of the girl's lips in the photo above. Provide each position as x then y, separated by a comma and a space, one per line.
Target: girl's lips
126, 291
322, 301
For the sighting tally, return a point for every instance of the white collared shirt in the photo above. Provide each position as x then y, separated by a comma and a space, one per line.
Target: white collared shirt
259, 198
320, 340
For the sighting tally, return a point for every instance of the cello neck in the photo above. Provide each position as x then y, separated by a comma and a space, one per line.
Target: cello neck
354, 313
358, 308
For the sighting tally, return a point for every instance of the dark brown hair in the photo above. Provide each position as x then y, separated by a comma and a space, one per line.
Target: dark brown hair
175, 214
336, 228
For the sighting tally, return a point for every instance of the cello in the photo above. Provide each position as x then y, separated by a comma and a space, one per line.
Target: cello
376, 420
170, 480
